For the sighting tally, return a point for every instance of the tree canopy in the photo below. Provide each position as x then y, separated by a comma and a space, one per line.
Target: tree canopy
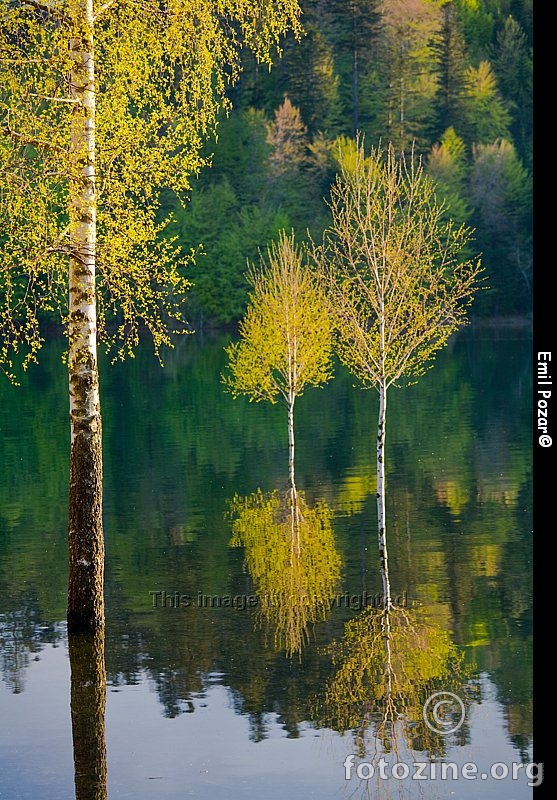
285, 338
161, 77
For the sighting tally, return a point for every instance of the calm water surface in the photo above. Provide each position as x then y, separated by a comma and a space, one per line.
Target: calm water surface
240, 662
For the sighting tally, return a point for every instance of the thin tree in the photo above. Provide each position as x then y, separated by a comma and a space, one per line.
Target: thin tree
285, 340
102, 105
397, 287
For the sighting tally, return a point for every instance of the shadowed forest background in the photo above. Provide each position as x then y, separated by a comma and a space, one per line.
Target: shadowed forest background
455, 84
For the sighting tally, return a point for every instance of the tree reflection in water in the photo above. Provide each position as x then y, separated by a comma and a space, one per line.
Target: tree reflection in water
291, 556
88, 703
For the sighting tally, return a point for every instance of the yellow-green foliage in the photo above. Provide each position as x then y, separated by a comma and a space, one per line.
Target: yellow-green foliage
291, 556
286, 334
398, 284
161, 73
386, 664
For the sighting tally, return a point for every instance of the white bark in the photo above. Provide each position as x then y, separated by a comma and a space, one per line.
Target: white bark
381, 516
85, 533
83, 227
291, 440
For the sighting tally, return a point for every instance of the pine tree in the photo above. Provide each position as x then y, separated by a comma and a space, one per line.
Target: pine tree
484, 114
351, 26
452, 65
410, 31
513, 66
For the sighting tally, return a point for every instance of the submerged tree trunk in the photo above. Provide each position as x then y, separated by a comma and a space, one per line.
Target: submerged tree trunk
87, 703
85, 532
381, 521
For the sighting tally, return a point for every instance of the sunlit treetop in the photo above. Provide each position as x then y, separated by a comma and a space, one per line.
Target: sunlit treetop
162, 70
285, 340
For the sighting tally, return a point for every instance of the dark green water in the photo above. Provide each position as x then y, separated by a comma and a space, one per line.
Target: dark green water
205, 699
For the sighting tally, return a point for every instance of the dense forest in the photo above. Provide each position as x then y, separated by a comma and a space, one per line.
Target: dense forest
450, 80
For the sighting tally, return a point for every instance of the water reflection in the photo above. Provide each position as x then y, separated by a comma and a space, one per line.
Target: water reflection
290, 553
87, 704
459, 495
22, 638
387, 663
397, 687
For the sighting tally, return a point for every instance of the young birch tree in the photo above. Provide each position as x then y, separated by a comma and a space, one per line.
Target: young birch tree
103, 104
397, 287
285, 340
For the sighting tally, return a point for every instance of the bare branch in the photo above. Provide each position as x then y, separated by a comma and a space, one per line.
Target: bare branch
71, 100
47, 8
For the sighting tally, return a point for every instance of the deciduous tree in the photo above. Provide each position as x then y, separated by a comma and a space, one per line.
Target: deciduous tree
285, 340
397, 286
102, 104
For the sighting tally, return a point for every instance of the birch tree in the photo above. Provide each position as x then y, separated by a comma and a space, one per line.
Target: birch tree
103, 104
397, 286
285, 340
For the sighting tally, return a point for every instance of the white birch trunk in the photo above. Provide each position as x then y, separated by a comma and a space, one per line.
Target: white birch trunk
291, 400
381, 520
85, 532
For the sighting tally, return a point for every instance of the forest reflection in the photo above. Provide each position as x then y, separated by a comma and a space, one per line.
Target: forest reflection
460, 495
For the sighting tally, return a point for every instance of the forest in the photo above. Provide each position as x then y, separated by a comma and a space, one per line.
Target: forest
450, 81
318, 190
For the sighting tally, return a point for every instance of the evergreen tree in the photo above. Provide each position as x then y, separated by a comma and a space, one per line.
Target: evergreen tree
477, 22
452, 64
411, 32
306, 73
352, 28
485, 117
446, 164
291, 168
513, 66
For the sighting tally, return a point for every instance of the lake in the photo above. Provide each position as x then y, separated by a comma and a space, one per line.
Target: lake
246, 660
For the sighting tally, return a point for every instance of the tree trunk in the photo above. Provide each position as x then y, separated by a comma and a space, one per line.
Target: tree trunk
85, 532
291, 441
381, 521
87, 703
355, 98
